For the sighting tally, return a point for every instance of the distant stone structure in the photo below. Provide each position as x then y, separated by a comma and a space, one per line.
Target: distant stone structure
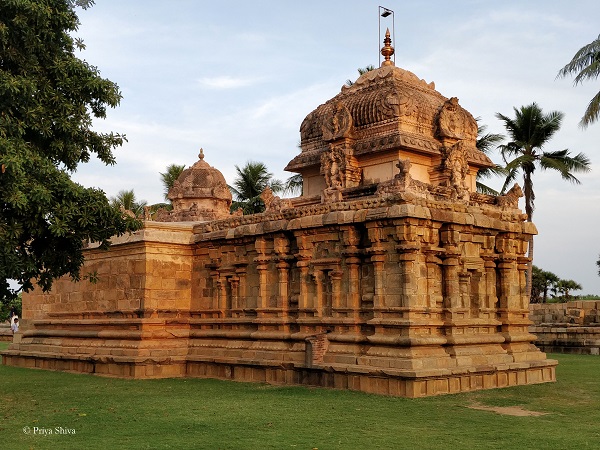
572, 327
390, 274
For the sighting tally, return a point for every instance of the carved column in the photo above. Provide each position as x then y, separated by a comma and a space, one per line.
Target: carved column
263, 290
450, 239
489, 301
522, 266
282, 247
513, 314
410, 296
464, 282
242, 294
221, 295
510, 287
408, 249
304, 283
262, 264
351, 253
353, 264
435, 298
450, 280
282, 292
336, 289
490, 284
378, 259
303, 258
214, 301
235, 286
318, 299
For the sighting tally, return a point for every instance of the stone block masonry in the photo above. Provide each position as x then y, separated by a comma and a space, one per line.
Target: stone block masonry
401, 305
572, 327
389, 275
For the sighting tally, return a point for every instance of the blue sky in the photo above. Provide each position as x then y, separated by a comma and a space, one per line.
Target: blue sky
239, 79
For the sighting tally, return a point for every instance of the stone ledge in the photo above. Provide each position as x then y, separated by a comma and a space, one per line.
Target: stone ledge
394, 382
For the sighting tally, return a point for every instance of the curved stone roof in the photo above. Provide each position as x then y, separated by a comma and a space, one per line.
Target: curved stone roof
200, 181
386, 108
199, 194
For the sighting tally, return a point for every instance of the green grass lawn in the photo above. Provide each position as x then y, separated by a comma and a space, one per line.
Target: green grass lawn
195, 413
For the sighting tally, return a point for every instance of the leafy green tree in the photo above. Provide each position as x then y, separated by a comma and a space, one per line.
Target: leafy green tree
586, 65
48, 98
250, 182
127, 201
361, 71
486, 142
10, 307
169, 177
530, 130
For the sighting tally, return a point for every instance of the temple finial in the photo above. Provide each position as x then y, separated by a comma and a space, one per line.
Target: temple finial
387, 51
201, 155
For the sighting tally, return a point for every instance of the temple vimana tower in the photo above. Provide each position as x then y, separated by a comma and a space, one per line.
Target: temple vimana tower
389, 274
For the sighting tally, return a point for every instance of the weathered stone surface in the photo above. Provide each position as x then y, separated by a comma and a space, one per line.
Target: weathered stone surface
389, 275
397, 296
572, 327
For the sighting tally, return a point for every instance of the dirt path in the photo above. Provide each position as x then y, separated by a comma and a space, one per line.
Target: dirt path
506, 410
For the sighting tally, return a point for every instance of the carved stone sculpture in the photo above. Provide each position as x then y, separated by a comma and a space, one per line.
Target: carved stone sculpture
333, 167
338, 124
511, 198
273, 202
454, 122
455, 161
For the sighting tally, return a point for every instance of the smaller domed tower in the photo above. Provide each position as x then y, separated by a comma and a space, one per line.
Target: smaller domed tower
199, 194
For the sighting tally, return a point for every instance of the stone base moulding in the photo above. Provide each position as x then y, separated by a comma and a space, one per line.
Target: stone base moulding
391, 382
572, 327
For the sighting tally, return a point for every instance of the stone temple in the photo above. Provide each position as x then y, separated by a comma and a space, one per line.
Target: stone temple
389, 274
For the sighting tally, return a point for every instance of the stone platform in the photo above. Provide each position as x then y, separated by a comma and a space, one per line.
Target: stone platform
572, 327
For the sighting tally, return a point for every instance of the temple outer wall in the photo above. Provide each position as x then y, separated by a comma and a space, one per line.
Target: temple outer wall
123, 319
406, 297
572, 327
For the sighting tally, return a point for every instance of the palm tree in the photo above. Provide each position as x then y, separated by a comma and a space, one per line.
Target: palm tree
250, 182
361, 71
127, 200
566, 286
529, 131
542, 282
293, 185
168, 178
586, 65
486, 142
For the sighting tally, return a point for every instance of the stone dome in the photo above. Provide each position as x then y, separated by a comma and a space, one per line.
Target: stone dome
200, 193
386, 108
357, 138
